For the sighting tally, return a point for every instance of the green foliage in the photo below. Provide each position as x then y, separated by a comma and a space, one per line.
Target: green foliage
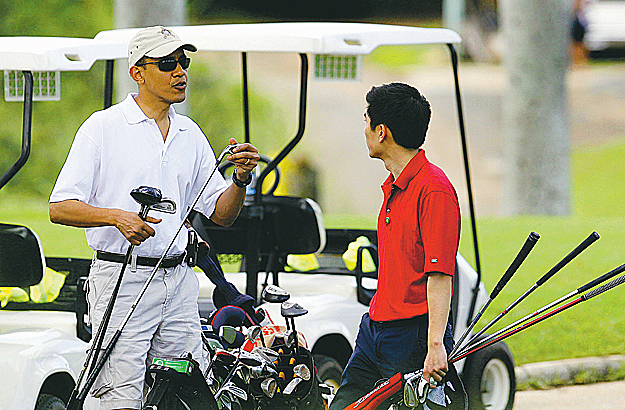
217, 107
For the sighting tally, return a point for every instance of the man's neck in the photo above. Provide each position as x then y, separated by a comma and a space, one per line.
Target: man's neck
396, 160
157, 110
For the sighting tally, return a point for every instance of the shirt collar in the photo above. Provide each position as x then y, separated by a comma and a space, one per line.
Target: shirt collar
135, 115
409, 172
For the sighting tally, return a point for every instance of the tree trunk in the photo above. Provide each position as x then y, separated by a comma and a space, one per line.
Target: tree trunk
535, 109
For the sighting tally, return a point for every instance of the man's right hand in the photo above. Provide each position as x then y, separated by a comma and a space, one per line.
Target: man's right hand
133, 228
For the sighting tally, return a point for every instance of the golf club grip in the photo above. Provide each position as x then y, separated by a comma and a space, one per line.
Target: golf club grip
601, 279
604, 288
531, 240
579, 249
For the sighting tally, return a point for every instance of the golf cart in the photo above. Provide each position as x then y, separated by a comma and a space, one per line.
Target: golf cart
269, 229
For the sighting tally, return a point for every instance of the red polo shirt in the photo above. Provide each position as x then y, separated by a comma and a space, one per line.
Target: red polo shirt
418, 233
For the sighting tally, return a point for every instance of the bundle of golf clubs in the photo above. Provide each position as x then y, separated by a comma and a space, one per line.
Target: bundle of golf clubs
266, 369
415, 388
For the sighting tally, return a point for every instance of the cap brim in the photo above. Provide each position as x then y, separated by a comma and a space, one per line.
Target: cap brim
167, 49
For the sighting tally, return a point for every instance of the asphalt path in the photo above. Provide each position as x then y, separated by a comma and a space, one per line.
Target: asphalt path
591, 396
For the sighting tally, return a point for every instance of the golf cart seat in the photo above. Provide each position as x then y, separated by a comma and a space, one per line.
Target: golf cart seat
22, 263
288, 225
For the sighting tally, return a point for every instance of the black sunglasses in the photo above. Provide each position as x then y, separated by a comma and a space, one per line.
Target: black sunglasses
169, 64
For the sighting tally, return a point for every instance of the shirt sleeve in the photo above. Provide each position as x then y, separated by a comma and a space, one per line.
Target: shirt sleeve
439, 221
216, 186
79, 173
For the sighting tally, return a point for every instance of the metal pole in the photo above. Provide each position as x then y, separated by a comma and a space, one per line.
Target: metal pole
465, 155
26, 129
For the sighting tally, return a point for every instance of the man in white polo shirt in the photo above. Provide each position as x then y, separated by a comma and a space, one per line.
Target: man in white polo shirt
143, 141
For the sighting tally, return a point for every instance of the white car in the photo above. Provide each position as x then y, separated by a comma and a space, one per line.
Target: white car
44, 345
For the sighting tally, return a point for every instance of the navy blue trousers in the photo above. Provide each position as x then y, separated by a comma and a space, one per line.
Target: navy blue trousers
383, 349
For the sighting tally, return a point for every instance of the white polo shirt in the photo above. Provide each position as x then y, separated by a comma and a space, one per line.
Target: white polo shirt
119, 149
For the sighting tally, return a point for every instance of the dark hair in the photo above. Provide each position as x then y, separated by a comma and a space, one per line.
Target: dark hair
403, 110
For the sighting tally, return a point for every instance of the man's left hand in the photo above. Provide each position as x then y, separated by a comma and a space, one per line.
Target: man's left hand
435, 365
245, 157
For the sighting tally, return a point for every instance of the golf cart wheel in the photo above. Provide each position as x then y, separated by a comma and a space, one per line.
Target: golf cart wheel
489, 379
329, 371
49, 402
256, 173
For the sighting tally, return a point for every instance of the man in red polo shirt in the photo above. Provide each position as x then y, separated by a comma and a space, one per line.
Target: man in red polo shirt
407, 326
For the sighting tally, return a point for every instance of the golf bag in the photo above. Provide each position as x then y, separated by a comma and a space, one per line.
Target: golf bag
177, 385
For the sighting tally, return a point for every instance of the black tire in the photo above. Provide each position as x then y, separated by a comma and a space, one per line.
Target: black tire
329, 371
49, 402
489, 379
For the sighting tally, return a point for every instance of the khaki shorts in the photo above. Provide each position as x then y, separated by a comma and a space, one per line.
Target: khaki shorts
166, 324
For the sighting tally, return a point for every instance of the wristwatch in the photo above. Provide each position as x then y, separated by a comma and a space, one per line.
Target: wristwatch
238, 182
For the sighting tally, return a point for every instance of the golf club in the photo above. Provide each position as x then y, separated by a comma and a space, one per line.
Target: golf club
514, 266
421, 386
574, 253
80, 397
149, 198
482, 343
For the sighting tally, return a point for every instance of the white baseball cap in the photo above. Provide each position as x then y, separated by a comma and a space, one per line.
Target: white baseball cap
155, 42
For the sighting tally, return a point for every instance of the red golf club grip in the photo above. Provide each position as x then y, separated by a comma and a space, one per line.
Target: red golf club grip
531, 240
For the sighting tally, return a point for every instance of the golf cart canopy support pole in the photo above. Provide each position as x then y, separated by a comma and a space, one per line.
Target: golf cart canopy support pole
300, 131
465, 153
246, 101
108, 83
26, 127
256, 210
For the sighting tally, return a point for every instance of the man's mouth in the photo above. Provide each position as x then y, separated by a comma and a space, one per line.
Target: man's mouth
180, 86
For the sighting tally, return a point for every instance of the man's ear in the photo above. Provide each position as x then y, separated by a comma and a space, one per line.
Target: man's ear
382, 131
136, 74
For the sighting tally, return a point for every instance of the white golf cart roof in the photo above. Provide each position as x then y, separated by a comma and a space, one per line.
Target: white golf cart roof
79, 54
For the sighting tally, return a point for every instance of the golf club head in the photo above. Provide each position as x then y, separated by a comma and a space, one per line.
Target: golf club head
302, 371
290, 309
415, 389
146, 195
253, 333
236, 391
275, 294
289, 338
290, 388
269, 387
228, 334
266, 353
250, 359
166, 205
244, 373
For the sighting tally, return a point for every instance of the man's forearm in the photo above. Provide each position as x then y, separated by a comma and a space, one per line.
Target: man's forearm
79, 214
228, 206
439, 299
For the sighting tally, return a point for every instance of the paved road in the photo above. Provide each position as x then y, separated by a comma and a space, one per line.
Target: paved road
608, 396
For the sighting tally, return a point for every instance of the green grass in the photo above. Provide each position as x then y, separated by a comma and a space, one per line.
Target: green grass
594, 328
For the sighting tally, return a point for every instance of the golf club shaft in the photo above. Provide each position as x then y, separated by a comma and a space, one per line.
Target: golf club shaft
531, 240
109, 349
618, 281
98, 339
578, 291
568, 258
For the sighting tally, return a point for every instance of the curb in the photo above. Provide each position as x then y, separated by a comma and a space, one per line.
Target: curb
569, 371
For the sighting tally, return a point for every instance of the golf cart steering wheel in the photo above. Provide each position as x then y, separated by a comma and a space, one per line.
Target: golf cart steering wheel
255, 174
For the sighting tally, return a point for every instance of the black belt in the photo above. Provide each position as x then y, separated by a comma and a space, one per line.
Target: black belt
141, 260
